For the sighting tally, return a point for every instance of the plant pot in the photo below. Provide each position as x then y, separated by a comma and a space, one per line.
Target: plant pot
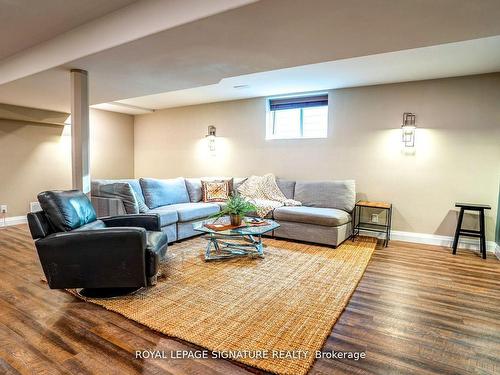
235, 220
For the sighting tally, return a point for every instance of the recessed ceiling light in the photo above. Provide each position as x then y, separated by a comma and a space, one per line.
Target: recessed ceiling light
241, 86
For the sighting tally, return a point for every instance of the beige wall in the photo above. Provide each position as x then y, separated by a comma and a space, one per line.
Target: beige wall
35, 157
111, 144
457, 154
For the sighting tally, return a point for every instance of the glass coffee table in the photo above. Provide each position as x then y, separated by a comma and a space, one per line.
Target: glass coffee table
223, 245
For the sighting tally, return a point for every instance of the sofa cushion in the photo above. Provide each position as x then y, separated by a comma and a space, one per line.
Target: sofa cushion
193, 186
159, 193
193, 211
167, 215
330, 194
120, 190
330, 217
287, 187
136, 187
99, 186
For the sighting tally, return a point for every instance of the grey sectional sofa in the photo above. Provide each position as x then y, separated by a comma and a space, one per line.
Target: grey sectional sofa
324, 217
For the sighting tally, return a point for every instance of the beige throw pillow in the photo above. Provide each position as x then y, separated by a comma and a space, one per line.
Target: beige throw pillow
216, 191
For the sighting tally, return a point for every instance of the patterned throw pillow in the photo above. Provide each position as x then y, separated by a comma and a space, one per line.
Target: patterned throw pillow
216, 191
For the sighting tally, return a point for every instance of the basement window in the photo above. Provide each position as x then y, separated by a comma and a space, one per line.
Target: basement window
294, 117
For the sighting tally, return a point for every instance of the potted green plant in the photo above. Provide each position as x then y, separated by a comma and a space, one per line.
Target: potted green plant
236, 207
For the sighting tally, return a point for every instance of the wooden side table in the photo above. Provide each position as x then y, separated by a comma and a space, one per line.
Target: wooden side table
481, 233
372, 227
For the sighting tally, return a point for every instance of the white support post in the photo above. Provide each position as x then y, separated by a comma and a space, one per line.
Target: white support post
80, 130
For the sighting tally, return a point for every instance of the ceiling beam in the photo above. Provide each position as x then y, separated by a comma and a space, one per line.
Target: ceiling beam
130, 23
32, 115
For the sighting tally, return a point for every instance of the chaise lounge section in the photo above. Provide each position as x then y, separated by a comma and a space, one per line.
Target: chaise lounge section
324, 217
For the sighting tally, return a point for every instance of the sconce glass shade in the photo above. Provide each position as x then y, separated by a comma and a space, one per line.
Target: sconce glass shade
211, 138
211, 142
408, 135
408, 129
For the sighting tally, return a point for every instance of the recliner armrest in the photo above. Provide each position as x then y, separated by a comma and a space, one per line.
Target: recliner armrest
98, 258
146, 221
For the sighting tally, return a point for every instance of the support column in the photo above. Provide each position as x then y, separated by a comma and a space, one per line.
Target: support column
80, 130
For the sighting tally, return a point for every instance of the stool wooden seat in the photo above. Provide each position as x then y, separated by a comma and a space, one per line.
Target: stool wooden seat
481, 233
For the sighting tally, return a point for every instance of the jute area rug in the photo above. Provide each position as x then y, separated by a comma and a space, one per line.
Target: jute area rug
280, 308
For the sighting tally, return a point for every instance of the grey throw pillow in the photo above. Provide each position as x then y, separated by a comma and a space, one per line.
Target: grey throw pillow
159, 193
287, 187
123, 191
136, 188
193, 186
339, 194
134, 184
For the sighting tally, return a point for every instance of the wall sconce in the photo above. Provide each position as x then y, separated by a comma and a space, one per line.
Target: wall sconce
408, 129
211, 137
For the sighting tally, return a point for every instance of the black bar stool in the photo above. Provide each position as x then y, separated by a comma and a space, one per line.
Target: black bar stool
471, 233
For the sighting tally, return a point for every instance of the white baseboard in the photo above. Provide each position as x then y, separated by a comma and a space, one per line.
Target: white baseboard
13, 220
434, 239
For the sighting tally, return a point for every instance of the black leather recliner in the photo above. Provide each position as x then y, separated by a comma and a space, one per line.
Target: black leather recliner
107, 257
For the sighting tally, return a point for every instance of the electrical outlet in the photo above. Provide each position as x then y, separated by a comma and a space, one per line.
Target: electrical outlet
374, 218
3, 209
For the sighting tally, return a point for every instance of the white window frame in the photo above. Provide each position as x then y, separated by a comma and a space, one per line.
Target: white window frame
270, 116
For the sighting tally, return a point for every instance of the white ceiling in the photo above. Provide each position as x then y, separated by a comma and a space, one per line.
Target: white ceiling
446, 60
111, 30
355, 37
25, 23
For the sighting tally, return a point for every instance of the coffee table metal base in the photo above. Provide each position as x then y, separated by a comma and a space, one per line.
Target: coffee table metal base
219, 249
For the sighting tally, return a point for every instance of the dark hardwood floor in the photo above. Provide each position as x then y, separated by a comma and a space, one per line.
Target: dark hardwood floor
417, 310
